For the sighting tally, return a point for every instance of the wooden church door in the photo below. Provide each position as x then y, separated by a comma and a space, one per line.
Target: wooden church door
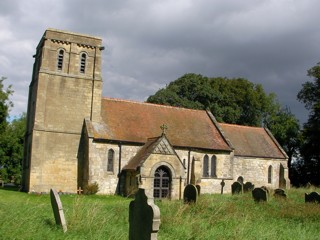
162, 182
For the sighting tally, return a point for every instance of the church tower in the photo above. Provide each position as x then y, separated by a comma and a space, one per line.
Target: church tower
66, 87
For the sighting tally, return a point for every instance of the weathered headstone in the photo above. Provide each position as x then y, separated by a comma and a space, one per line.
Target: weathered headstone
236, 188
190, 194
280, 193
198, 189
57, 209
144, 218
248, 187
222, 185
266, 189
312, 197
240, 180
260, 194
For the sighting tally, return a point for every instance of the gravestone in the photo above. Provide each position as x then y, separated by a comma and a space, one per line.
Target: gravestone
57, 209
198, 189
280, 193
144, 218
312, 197
190, 194
266, 189
259, 195
248, 187
222, 185
236, 188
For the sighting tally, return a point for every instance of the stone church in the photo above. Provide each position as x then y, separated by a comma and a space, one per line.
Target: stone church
76, 137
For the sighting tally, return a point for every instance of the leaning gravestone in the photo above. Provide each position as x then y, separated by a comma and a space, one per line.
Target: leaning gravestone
259, 195
190, 194
312, 197
236, 188
57, 209
248, 187
280, 193
222, 185
144, 218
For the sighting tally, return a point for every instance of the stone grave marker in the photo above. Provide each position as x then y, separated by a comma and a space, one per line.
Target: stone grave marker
312, 197
259, 195
190, 194
280, 193
236, 188
266, 189
222, 185
198, 189
144, 217
57, 209
248, 187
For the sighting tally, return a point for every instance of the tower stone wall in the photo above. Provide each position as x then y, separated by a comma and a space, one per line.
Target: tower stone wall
66, 87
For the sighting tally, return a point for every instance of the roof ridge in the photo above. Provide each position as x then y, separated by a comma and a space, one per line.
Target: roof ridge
243, 126
152, 104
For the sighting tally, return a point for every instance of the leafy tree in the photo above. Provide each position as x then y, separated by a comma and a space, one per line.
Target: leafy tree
286, 129
230, 100
11, 137
5, 104
11, 145
310, 149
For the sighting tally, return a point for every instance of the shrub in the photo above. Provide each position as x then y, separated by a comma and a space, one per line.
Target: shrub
91, 188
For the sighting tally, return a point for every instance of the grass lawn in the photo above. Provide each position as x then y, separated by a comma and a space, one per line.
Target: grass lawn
26, 216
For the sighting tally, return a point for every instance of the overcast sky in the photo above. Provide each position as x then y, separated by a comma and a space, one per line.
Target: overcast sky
151, 43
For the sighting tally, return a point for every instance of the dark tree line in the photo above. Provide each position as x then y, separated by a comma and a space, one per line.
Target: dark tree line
309, 165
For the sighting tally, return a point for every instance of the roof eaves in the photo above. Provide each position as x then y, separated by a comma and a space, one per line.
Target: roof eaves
276, 142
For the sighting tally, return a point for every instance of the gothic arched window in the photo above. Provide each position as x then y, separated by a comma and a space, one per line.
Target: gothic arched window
205, 166
83, 60
110, 160
270, 174
60, 59
213, 166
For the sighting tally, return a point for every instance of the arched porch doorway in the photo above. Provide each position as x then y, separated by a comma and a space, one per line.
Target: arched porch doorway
162, 183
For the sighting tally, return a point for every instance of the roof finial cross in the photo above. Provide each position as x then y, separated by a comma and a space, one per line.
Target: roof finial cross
164, 128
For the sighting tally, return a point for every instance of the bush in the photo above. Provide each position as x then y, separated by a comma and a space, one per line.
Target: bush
91, 188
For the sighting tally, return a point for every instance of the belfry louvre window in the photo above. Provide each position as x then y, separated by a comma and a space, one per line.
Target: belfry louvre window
60, 59
83, 60
110, 160
205, 166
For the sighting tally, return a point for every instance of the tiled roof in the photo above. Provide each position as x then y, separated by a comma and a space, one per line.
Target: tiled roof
136, 122
149, 148
252, 141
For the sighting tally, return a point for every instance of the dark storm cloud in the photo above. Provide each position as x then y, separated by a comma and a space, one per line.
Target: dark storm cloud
150, 43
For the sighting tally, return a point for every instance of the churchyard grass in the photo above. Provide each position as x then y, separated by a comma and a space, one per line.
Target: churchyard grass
27, 216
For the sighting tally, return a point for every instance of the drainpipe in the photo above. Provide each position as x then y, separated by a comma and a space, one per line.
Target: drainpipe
119, 169
120, 152
188, 172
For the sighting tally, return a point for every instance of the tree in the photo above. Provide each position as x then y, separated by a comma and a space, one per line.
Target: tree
310, 149
11, 145
237, 100
11, 138
5, 104
286, 129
